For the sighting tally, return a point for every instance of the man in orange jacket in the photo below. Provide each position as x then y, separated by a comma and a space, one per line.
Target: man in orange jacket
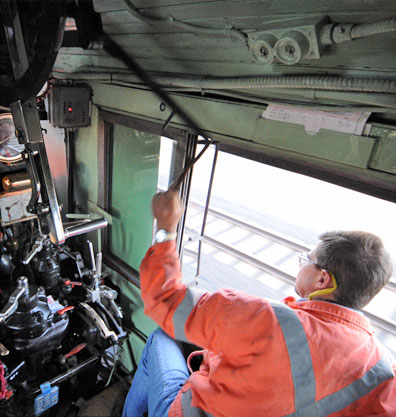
313, 357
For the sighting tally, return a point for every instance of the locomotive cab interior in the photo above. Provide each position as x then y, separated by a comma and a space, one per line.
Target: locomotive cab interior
105, 102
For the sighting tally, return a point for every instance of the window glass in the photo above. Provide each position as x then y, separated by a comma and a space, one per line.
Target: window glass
134, 178
142, 164
166, 162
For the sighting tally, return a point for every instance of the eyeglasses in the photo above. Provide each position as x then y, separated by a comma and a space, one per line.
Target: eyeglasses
303, 259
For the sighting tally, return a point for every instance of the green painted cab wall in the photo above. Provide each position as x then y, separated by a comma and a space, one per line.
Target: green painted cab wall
134, 182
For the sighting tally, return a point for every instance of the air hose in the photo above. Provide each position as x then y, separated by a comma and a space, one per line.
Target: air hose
311, 82
343, 32
368, 29
188, 27
317, 82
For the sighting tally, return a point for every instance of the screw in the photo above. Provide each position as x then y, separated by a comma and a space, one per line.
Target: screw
290, 49
42, 209
162, 106
263, 51
19, 134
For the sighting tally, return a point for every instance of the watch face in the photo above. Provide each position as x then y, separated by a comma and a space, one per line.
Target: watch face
161, 235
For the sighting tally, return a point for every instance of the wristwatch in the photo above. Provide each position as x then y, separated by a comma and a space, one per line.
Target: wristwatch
163, 236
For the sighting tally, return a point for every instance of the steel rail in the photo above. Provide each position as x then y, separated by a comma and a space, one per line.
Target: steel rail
249, 260
391, 286
275, 238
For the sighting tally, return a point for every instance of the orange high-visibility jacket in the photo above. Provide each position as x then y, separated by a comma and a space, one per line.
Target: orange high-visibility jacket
307, 358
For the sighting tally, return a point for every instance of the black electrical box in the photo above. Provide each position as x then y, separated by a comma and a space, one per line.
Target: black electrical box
70, 106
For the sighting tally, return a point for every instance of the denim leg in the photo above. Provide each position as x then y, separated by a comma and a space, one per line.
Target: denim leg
161, 373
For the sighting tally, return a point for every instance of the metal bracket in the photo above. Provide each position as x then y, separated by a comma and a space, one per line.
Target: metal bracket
34, 180
27, 122
12, 303
167, 122
36, 248
99, 323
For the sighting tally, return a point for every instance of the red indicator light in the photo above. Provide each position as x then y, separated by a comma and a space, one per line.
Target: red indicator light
70, 109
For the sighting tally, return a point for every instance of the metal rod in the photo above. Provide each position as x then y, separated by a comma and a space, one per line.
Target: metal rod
85, 227
57, 234
191, 147
121, 268
206, 210
92, 255
69, 373
69, 134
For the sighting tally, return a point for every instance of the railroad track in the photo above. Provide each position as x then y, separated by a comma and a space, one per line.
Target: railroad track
387, 325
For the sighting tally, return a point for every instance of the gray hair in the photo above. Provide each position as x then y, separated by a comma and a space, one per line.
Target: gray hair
359, 262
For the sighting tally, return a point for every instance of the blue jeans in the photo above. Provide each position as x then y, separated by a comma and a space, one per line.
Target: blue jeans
161, 373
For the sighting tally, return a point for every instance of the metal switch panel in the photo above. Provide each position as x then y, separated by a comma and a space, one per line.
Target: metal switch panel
70, 106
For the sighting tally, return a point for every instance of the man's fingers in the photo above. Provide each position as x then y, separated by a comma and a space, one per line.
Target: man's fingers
156, 196
167, 195
165, 201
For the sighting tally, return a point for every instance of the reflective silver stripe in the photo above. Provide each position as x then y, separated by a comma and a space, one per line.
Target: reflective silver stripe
188, 410
379, 373
300, 359
193, 294
304, 378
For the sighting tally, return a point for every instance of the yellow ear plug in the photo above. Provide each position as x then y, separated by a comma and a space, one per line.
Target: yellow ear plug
325, 291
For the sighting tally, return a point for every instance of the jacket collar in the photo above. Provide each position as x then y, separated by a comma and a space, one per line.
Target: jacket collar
332, 311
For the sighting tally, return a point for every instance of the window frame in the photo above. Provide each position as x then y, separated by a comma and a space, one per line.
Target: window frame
105, 157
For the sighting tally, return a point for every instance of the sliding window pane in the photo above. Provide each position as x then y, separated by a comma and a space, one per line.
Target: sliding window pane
134, 175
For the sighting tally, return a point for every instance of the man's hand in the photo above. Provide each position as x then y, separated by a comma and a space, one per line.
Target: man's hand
167, 209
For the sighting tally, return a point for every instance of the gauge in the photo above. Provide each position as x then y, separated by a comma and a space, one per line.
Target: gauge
10, 148
13, 206
13, 211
